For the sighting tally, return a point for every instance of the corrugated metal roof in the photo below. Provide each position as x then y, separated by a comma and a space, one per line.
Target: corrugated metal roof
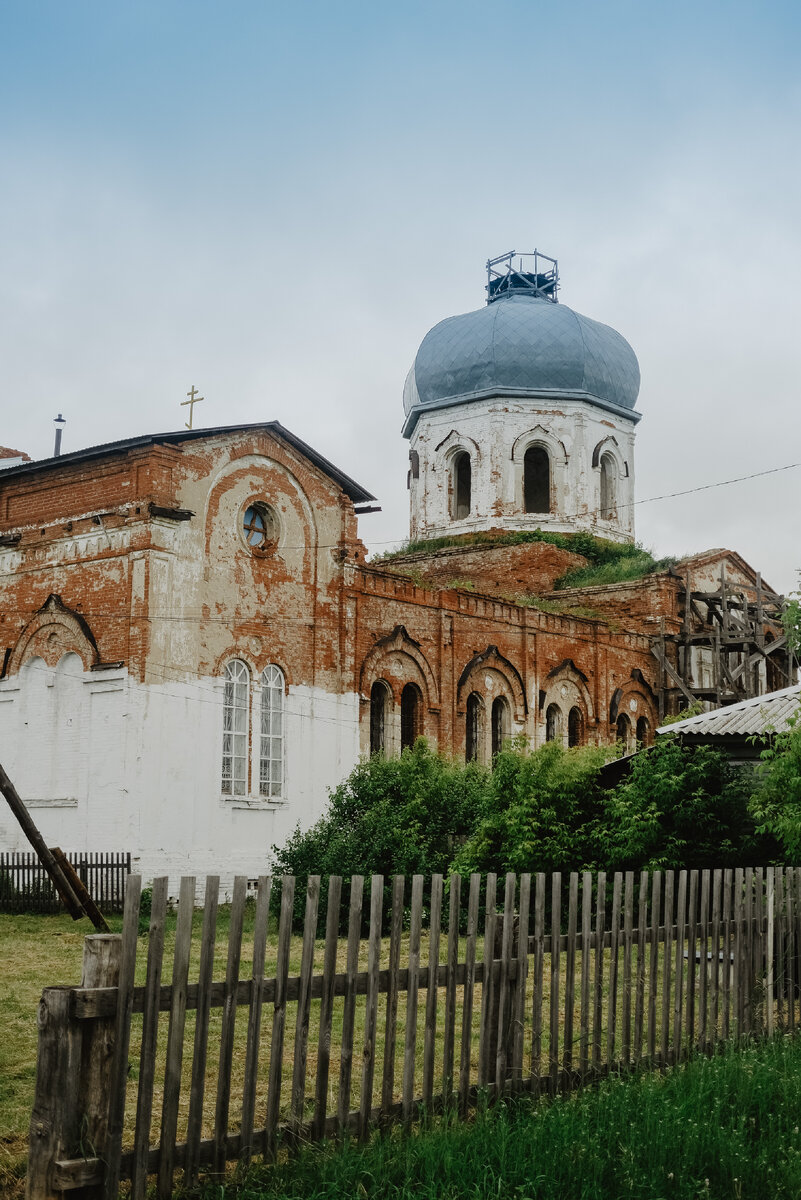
761, 714
349, 486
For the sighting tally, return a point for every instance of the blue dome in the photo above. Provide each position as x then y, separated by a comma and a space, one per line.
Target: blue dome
521, 345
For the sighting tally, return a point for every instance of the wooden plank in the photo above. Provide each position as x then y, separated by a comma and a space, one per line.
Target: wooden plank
778, 945
539, 963
410, 1047
678, 981
653, 963
503, 1033
667, 967
349, 1008
715, 972
520, 982
556, 922
175, 1038
275, 1073
228, 1024
738, 917
449, 1024
770, 982
614, 947
790, 951
150, 1029
200, 1050
469, 985
748, 949
54, 1123
298, 1094
586, 940
252, 1045
570, 977
391, 1022
432, 997
486, 1039
101, 968
371, 1012
693, 967
598, 980
628, 939
726, 942
327, 1005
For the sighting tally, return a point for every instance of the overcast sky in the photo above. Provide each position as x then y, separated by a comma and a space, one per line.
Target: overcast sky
276, 201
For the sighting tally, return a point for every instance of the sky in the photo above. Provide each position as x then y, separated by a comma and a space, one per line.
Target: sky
275, 202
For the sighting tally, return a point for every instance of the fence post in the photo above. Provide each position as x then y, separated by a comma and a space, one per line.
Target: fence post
102, 954
54, 1123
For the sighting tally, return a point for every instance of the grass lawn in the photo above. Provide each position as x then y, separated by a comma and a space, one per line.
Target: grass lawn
726, 1128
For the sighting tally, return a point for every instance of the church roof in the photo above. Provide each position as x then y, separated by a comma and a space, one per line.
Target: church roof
522, 345
355, 491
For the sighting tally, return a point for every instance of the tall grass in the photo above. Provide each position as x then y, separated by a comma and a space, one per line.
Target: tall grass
721, 1127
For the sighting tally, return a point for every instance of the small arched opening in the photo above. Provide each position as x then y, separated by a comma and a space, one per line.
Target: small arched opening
624, 732
537, 480
644, 732
461, 486
474, 728
575, 726
379, 712
553, 723
608, 487
501, 724
411, 714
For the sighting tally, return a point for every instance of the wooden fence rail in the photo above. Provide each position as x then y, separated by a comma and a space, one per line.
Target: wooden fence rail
285, 1037
26, 887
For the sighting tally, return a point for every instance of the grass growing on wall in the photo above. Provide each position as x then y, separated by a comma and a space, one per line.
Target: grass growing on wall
725, 1127
607, 562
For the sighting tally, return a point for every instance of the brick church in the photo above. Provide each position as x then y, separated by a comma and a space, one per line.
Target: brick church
194, 647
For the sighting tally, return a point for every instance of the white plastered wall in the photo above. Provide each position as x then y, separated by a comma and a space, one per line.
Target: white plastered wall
142, 766
496, 434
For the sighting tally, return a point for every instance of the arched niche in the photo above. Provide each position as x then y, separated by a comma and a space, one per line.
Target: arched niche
55, 630
503, 676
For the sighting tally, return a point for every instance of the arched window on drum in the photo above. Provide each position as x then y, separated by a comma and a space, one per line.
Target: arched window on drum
537, 480
461, 486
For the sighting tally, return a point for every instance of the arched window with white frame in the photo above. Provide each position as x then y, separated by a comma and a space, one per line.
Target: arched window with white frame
461, 486
271, 733
608, 487
236, 706
537, 480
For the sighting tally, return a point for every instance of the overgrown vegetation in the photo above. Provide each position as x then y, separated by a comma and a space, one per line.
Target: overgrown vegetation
607, 562
541, 811
719, 1128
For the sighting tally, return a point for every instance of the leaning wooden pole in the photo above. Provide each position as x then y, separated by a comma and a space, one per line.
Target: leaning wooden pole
66, 888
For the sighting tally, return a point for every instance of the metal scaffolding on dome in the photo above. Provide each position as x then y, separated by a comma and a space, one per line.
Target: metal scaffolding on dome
536, 274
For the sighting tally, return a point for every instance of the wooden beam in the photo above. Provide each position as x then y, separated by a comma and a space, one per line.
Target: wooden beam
670, 671
45, 855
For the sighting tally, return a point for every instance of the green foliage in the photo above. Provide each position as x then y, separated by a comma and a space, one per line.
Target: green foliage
145, 908
791, 620
635, 563
391, 816
776, 804
540, 812
682, 806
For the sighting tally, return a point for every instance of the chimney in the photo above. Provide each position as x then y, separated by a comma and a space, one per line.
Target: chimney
59, 423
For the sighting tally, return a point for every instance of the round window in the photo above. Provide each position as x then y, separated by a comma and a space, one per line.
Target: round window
259, 526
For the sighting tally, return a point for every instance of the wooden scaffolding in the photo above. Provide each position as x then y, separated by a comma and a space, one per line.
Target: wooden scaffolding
731, 646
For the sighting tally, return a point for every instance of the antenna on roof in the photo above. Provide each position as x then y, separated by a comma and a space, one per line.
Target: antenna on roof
59, 423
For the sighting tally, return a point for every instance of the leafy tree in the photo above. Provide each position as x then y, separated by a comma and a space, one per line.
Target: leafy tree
682, 806
541, 812
776, 804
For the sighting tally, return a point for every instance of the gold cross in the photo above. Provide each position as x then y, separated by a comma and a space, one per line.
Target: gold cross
192, 401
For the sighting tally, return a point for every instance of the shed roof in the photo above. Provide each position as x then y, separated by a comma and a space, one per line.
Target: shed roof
750, 718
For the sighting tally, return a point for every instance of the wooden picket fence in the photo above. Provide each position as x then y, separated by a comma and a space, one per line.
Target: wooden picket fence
25, 885
557, 982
